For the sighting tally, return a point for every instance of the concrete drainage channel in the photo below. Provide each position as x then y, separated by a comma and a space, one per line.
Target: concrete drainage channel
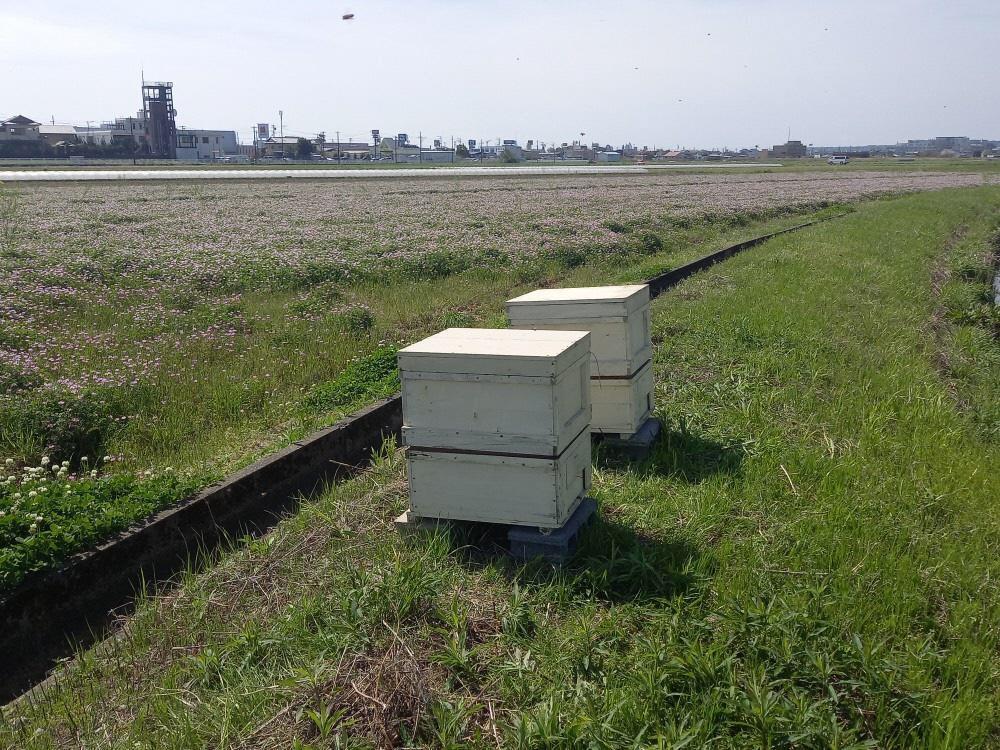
42, 619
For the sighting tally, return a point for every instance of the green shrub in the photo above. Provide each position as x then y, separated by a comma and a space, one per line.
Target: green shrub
317, 301
357, 320
438, 264
15, 336
62, 424
365, 380
14, 379
649, 243
615, 226
567, 257
456, 319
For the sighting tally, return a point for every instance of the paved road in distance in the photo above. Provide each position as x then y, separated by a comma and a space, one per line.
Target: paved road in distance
70, 175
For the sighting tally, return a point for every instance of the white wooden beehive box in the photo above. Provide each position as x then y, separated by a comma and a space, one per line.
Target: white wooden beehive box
616, 316
496, 424
621, 377
496, 389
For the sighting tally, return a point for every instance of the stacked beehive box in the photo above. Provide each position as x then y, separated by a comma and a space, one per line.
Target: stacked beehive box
621, 378
497, 425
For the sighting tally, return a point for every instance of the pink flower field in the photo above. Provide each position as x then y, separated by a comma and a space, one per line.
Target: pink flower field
116, 285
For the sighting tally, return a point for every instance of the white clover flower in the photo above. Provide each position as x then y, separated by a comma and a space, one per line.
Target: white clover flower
93, 473
45, 460
3, 513
55, 468
9, 462
43, 489
17, 495
65, 464
107, 458
33, 528
32, 494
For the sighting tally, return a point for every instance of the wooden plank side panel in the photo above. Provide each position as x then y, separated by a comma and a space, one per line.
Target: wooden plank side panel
498, 489
478, 415
497, 413
621, 406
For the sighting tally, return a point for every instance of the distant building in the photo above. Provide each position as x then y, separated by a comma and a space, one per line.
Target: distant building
280, 147
120, 131
203, 145
789, 150
957, 143
348, 150
436, 156
608, 157
55, 135
19, 128
487, 151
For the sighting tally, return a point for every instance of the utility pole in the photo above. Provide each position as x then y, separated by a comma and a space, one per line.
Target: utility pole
453, 149
338, 147
420, 136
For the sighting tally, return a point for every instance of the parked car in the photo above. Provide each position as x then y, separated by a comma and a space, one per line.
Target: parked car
837, 160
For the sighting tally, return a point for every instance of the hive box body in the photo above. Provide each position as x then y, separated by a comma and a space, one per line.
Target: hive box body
621, 405
617, 318
621, 376
508, 391
508, 489
497, 425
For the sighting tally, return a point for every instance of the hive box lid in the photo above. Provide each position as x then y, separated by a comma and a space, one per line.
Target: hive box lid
581, 302
496, 351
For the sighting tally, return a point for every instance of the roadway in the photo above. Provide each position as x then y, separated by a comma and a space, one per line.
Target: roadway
89, 175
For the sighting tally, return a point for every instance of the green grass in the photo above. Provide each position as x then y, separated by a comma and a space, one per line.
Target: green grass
808, 560
967, 323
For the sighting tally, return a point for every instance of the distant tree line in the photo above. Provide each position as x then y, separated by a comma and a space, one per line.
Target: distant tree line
42, 150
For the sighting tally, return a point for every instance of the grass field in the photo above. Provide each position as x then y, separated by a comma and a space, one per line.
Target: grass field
173, 333
808, 560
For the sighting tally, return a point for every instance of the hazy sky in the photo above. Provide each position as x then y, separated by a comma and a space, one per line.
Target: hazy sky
689, 72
